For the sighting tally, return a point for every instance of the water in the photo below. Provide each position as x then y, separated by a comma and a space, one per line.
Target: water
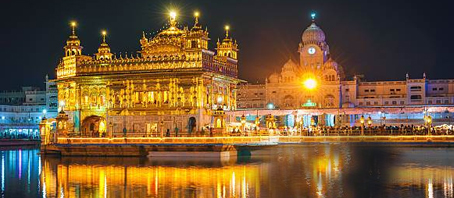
318, 170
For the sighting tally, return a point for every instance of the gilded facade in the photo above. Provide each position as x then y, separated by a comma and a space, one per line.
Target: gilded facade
174, 81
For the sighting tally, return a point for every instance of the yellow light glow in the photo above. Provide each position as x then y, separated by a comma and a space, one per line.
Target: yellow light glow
173, 14
196, 14
104, 33
73, 23
227, 27
310, 83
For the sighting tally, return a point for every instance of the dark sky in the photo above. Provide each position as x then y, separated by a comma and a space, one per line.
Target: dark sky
381, 39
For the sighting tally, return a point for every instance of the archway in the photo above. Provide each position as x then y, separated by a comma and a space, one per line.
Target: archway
329, 100
289, 101
191, 124
94, 126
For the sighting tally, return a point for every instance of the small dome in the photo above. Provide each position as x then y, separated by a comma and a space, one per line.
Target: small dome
104, 48
313, 35
330, 64
289, 65
274, 78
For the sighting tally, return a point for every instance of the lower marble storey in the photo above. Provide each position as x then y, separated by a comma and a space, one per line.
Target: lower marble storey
149, 125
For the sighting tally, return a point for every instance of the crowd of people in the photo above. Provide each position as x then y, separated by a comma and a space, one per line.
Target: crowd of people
295, 131
366, 130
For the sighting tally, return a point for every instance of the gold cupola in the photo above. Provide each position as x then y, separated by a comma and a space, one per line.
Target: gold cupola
104, 49
73, 47
228, 47
197, 37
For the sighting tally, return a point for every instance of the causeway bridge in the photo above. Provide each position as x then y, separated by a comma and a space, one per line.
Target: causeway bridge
156, 146
210, 146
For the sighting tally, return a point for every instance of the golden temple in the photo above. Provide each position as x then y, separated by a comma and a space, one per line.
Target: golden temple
174, 83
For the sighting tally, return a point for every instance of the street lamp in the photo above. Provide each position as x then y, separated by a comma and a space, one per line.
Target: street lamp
362, 124
369, 121
428, 121
44, 112
257, 123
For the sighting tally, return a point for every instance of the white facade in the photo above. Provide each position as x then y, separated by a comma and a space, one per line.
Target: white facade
21, 111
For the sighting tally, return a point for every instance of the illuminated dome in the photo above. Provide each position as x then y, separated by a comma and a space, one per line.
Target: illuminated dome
313, 35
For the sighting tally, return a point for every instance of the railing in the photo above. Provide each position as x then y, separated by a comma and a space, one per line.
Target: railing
381, 139
169, 140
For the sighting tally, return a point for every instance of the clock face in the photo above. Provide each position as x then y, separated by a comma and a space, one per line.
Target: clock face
311, 50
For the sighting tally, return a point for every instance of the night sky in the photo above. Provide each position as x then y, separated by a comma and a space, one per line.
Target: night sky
382, 39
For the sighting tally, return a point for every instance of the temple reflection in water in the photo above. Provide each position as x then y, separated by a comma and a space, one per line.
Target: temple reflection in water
68, 179
294, 171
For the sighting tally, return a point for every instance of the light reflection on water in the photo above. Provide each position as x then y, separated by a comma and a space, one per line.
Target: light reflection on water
322, 170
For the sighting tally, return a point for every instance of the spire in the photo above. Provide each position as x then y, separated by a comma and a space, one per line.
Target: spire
143, 35
196, 16
172, 20
313, 15
227, 28
103, 33
73, 28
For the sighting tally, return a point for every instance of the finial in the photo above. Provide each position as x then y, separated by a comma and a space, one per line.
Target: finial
104, 34
173, 16
143, 34
313, 15
73, 27
227, 28
196, 15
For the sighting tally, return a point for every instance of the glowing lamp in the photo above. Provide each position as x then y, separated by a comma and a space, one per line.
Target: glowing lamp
313, 15
428, 119
73, 23
369, 121
227, 27
173, 15
220, 99
362, 119
270, 106
44, 111
196, 14
104, 33
310, 83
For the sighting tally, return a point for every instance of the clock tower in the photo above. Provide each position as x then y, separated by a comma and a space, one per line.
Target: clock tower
313, 49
